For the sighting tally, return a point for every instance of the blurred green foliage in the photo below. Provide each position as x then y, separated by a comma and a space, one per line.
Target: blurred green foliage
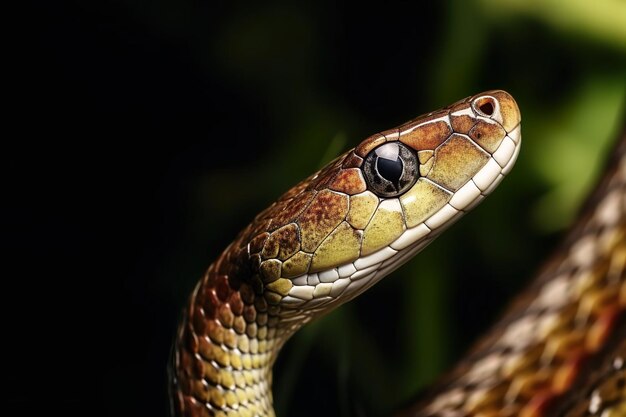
564, 61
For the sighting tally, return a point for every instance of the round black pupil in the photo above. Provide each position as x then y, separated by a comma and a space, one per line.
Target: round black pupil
390, 169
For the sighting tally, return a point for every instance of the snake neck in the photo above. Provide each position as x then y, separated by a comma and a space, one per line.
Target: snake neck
226, 346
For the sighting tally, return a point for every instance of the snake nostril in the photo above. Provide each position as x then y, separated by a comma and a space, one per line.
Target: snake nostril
487, 108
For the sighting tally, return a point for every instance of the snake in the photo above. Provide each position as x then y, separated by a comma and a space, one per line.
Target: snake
560, 349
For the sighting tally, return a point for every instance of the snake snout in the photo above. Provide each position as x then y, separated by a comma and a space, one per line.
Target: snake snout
499, 106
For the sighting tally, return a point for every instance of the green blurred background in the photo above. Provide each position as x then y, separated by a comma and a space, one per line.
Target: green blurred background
151, 132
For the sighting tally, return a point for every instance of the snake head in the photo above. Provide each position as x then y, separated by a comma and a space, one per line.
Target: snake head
370, 210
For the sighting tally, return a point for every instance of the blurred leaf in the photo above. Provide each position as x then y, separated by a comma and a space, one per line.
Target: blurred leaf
574, 142
601, 20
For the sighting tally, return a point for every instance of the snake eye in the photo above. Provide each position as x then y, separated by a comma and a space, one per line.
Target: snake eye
390, 169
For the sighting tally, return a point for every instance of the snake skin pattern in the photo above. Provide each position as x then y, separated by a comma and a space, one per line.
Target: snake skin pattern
600, 390
535, 360
327, 240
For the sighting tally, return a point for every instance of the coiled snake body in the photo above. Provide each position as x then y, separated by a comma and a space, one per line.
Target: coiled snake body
343, 229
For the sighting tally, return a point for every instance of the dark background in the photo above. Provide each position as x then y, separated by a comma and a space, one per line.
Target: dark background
141, 136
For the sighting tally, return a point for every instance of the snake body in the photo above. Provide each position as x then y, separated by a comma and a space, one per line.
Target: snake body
341, 230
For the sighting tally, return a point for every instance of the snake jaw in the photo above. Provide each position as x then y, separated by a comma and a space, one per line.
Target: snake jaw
345, 282
464, 151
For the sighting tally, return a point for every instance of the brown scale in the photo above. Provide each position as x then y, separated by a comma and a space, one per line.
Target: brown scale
601, 388
532, 363
234, 324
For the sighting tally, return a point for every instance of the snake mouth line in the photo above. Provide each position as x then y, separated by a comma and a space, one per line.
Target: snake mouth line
316, 291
